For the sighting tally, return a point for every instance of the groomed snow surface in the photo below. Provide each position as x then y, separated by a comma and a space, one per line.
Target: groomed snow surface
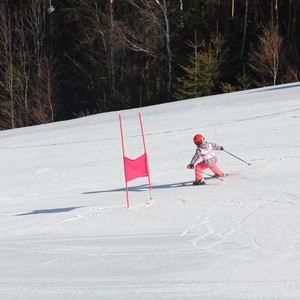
66, 233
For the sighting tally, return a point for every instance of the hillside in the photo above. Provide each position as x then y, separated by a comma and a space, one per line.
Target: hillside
65, 231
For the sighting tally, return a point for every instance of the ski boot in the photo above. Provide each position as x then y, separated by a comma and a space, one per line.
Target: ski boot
199, 182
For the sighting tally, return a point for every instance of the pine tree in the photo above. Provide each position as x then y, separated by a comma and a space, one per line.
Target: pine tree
202, 74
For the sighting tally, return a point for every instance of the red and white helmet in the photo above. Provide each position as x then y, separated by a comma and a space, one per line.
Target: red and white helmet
198, 139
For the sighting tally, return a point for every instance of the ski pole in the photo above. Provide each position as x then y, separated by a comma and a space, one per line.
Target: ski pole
237, 157
208, 174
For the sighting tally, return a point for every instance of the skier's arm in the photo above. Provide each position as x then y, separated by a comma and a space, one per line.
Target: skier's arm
195, 157
216, 146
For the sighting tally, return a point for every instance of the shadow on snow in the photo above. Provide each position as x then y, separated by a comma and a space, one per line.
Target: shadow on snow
50, 211
139, 188
275, 88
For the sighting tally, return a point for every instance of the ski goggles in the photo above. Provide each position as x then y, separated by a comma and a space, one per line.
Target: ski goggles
199, 144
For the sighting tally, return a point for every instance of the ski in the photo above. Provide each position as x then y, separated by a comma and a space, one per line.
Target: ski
221, 178
190, 183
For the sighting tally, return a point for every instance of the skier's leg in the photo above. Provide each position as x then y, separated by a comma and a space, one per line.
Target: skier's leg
217, 170
198, 170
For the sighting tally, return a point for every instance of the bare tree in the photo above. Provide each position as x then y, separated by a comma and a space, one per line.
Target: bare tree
245, 30
112, 46
154, 21
164, 8
7, 73
41, 62
266, 60
97, 39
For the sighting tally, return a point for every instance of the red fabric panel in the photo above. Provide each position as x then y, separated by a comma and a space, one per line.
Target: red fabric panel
135, 168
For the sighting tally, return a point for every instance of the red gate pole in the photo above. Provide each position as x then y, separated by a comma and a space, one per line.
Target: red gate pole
123, 150
144, 143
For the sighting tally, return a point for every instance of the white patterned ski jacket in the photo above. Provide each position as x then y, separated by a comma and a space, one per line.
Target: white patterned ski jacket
205, 151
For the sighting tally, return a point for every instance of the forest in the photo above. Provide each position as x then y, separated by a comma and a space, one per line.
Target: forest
63, 59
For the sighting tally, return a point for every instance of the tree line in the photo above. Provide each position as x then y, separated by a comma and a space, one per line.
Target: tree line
88, 56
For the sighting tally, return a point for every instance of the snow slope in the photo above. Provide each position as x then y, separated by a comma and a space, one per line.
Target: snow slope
65, 231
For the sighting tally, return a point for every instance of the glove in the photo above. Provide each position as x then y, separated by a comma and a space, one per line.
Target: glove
190, 166
222, 148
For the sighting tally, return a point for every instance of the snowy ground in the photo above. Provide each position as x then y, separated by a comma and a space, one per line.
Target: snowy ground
65, 231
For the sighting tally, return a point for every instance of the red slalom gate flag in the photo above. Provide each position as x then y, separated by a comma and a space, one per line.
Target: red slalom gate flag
135, 168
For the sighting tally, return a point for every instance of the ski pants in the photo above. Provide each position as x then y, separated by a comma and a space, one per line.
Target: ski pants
202, 166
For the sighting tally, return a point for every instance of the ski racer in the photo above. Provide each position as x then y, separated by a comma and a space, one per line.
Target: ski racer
205, 150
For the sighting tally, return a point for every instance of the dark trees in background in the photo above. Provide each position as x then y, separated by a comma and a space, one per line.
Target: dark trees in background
91, 56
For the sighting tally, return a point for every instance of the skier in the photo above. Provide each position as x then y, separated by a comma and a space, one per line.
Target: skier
209, 159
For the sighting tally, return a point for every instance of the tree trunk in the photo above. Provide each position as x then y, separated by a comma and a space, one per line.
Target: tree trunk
164, 10
245, 30
112, 51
